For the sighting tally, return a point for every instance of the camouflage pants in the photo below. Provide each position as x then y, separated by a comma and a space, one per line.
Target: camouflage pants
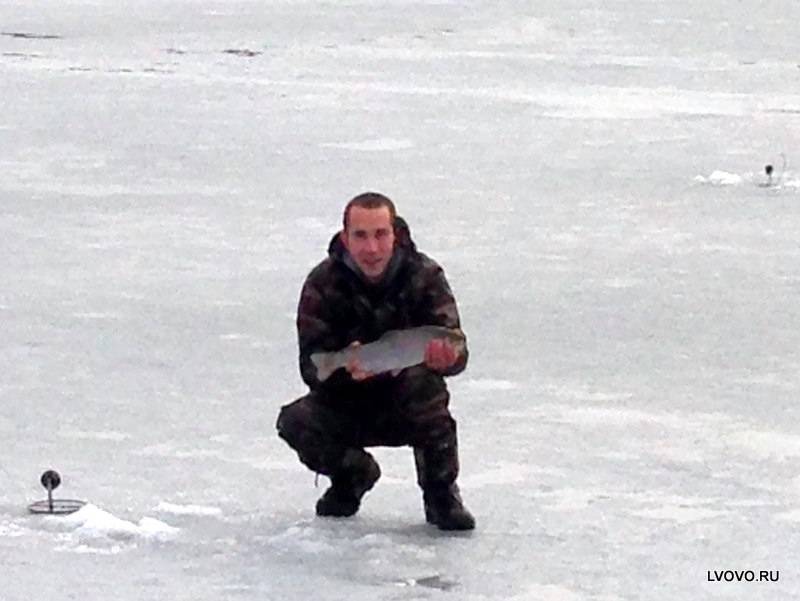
410, 409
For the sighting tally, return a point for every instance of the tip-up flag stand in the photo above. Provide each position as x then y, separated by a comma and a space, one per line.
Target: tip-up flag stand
51, 480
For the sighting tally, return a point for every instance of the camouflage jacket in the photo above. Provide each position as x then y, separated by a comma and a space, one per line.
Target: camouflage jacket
338, 306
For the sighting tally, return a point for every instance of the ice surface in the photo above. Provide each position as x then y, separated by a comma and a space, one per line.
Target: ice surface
181, 509
591, 176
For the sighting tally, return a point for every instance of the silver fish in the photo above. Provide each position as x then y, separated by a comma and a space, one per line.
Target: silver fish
395, 350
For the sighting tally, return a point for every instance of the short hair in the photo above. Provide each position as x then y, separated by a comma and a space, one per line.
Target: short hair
370, 200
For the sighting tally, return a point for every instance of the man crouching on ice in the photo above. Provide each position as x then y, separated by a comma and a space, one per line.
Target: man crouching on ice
375, 280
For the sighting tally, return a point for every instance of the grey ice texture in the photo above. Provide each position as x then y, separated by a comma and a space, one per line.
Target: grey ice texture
590, 174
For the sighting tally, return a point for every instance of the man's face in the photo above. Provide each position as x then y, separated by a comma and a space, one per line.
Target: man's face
369, 238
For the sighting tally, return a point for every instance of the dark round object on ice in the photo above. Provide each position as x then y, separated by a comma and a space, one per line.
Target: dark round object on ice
51, 480
768, 169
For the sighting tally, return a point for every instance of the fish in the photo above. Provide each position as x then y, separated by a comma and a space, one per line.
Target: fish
393, 351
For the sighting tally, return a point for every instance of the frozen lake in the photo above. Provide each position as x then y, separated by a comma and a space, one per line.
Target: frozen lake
590, 175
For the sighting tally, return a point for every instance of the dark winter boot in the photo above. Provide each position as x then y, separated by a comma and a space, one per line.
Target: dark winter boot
445, 510
357, 474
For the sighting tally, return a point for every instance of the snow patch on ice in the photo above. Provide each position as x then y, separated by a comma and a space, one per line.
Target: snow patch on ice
153, 528
90, 522
177, 509
720, 178
377, 144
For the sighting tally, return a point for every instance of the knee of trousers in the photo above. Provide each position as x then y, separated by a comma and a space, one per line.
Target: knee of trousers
296, 425
299, 427
291, 424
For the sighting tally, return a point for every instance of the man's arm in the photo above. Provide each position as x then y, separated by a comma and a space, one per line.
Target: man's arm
315, 333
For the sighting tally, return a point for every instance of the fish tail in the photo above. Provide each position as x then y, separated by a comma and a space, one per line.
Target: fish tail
457, 334
324, 362
458, 339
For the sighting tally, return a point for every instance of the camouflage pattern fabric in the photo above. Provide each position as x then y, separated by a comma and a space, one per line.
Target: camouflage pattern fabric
338, 306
